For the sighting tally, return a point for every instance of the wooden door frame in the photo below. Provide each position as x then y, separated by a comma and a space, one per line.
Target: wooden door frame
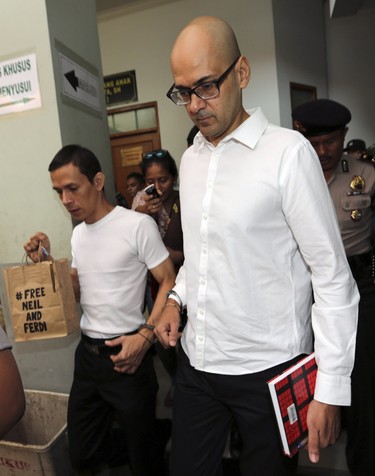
151, 134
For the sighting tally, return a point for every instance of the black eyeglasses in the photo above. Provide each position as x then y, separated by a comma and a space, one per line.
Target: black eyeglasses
159, 154
208, 90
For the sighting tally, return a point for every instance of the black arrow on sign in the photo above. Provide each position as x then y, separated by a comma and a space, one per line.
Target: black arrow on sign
72, 78
77, 82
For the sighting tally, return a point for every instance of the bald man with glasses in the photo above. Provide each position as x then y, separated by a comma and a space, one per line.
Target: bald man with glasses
259, 232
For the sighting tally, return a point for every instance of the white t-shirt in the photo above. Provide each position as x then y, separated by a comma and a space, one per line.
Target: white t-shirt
112, 257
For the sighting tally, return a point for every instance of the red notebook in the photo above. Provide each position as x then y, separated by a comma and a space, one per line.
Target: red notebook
291, 393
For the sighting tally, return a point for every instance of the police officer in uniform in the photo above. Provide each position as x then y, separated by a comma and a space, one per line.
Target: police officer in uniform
356, 148
351, 183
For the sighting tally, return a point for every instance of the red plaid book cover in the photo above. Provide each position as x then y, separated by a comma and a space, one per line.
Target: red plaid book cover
291, 393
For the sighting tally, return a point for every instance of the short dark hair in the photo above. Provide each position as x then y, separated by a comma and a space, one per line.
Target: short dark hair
137, 176
79, 156
165, 160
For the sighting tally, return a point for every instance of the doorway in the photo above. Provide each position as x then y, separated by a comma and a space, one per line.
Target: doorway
134, 130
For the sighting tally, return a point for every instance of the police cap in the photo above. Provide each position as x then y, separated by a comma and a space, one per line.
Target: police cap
355, 145
319, 117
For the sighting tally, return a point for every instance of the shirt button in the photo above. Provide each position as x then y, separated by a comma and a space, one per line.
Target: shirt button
204, 251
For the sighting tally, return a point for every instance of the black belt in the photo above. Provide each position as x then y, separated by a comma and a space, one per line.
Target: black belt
98, 347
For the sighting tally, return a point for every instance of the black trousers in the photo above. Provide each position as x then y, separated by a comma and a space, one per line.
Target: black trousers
98, 396
360, 416
203, 407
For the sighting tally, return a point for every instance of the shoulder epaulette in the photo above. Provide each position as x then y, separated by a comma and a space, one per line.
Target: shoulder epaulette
365, 157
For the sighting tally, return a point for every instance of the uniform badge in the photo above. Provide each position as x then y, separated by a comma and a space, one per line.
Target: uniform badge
356, 215
357, 185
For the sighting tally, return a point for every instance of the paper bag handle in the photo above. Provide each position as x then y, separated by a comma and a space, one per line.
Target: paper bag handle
51, 269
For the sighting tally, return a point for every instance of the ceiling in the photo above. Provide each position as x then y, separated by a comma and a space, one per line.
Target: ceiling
105, 6
340, 8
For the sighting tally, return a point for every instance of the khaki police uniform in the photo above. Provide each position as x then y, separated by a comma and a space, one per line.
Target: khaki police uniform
352, 187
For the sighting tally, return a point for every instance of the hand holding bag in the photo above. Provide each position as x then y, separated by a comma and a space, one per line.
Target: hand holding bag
41, 300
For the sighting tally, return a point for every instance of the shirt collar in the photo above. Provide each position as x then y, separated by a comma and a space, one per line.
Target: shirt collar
248, 133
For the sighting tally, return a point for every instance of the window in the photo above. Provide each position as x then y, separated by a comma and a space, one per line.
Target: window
133, 118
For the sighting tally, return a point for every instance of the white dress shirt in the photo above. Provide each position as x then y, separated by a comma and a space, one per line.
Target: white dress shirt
259, 227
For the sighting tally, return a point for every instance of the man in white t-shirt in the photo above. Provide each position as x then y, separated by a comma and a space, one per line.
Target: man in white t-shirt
112, 250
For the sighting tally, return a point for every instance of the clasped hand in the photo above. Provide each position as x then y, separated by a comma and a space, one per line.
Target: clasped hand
166, 328
134, 348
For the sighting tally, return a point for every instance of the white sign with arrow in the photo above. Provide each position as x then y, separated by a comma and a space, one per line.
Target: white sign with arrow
19, 85
79, 84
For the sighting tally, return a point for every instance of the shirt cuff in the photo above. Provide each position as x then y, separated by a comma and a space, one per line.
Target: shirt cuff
333, 389
180, 291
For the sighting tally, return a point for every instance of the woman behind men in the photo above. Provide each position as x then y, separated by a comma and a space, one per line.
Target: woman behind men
159, 168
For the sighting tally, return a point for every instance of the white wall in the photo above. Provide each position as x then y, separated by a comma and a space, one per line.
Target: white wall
300, 49
142, 41
29, 140
80, 125
351, 69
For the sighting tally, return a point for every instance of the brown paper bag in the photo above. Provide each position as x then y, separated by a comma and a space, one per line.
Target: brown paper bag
41, 300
